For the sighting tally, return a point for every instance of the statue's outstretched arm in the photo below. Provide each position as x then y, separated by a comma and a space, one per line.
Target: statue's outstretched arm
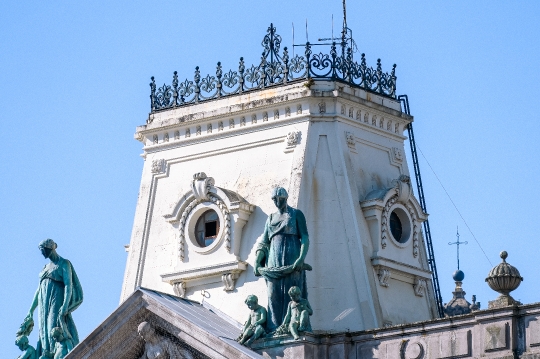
34, 304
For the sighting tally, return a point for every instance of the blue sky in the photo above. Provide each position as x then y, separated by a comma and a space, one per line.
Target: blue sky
74, 84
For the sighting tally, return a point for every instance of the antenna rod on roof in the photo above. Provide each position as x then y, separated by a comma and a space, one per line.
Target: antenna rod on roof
307, 38
343, 33
293, 39
332, 26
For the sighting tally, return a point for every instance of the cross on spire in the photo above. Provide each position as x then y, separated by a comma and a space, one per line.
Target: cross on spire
457, 243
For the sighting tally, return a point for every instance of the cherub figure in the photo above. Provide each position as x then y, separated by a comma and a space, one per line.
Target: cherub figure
254, 327
297, 317
62, 345
28, 351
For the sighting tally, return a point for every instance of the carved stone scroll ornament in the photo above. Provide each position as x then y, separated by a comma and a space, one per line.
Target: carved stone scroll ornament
350, 139
180, 289
384, 275
292, 139
414, 230
158, 346
419, 286
229, 281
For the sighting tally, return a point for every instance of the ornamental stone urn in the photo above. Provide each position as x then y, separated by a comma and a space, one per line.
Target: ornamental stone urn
503, 278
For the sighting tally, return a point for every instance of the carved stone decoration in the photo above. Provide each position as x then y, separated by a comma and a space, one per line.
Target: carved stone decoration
177, 135
163, 346
155, 139
158, 166
366, 117
220, 126
198, 130
243, 121
358, 115
253, 118
265, 116
351, 112
139, 137
322, 107
287, 111
180, 289
229, 281
374, 120
410, 350
385, 231
414, 231
209, 128
166, 137
292, 139
276, 114
381, 122
389, 126
503, 278
188, 133
396, 128
342, 109
398, 155
299, 109
231, 123
201, 185
419, 286
384, 275
350, 139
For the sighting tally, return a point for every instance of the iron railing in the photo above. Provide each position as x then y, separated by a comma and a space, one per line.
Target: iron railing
275, 69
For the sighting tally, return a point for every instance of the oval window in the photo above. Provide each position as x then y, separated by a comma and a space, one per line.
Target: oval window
207, 228
396, 228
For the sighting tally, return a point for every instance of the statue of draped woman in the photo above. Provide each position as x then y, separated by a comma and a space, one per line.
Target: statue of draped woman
280, 257
59, 293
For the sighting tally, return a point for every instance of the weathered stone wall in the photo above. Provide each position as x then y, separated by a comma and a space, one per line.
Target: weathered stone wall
504, 333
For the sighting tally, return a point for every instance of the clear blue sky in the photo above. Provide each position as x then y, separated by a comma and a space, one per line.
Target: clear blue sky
74, 84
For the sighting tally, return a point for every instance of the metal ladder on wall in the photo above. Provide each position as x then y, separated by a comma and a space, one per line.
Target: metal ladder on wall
431, 256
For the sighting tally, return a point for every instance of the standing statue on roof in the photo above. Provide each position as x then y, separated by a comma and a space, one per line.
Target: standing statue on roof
280, 257
59, 293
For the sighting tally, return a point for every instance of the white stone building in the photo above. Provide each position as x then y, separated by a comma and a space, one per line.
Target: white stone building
335, 141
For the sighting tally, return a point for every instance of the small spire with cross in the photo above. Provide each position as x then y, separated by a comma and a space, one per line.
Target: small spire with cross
457, 243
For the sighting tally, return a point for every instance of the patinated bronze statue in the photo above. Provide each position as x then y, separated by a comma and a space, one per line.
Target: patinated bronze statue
297, 317
280, 256
59, 293
254, 326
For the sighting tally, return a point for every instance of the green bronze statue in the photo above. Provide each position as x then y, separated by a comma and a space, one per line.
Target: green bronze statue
254, 327
59, 293
28, 351
280, 257
297, 317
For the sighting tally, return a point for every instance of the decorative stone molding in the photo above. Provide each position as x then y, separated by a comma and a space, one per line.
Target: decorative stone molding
322, 107
419, 286
220, 126
366, 117
299, 109
384, 275
180, 289
254, 118
229, 281
209, 128
385, 229
292, 139
276, 114
198, 130
155, 139
226, 273
397, 154
176, 135
188, 133
158, 166
139, 137
242, 121
351, 112
232, 210
287, 111
166, 137
265, 116
358, 115
231, 123
342, 109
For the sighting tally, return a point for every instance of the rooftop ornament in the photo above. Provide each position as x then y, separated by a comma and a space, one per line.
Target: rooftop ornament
504, 278
276, 69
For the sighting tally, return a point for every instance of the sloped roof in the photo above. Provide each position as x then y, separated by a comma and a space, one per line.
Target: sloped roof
194, 325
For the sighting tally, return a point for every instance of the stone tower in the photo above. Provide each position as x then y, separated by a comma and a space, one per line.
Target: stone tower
326, 128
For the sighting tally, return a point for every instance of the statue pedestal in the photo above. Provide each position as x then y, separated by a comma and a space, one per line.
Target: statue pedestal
502, 301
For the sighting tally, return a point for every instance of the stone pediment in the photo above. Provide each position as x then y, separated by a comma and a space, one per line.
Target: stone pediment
187, 328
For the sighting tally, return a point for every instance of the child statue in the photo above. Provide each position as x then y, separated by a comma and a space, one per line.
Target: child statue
254, 327
28, 351
297, 317
63, 345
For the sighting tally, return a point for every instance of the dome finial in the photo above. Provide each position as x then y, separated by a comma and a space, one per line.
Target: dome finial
504, 255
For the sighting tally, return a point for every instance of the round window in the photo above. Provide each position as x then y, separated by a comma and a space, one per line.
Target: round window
207, 228
400, 225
